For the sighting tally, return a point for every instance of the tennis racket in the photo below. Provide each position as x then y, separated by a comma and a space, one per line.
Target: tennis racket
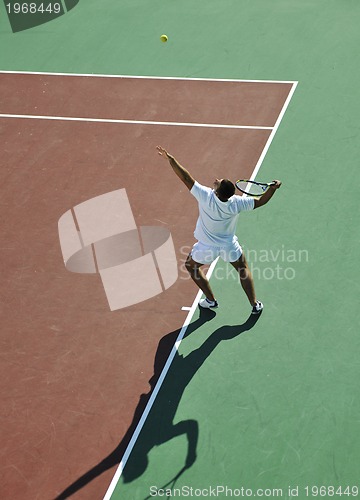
253, 188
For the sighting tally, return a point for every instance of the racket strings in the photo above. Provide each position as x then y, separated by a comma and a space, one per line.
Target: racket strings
251, 188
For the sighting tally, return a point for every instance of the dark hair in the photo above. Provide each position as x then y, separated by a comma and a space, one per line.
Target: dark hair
226, 189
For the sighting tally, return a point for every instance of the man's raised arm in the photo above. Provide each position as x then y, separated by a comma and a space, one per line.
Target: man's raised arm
180, 171
259, 202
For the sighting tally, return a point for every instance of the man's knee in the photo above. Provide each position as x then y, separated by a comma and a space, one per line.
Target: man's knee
242, 267
188, 264
240, 263
192, 266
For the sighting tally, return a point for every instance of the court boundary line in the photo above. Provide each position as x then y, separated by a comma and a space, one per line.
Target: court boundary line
156, 390
186, 323
149, 77
275, 128
139, 122
130, 122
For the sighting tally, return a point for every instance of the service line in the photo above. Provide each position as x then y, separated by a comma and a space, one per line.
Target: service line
130, 122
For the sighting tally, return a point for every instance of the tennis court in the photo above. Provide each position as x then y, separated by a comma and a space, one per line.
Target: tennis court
125, 389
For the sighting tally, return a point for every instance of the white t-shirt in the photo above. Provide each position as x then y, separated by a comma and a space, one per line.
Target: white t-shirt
217, 220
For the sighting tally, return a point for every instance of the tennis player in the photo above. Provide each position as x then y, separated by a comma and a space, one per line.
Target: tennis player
219, 209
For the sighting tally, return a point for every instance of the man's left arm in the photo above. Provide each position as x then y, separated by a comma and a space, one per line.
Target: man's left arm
259, 202
179, 170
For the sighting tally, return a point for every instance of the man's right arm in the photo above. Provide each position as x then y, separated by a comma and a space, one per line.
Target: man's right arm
180, 171
259, 202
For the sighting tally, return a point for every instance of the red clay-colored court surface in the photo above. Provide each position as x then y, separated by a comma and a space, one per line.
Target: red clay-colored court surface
73, 370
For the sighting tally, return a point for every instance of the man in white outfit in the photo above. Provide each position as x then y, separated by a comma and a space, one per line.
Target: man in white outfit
219, 209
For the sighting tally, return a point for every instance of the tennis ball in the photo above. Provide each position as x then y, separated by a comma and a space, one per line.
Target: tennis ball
164, 38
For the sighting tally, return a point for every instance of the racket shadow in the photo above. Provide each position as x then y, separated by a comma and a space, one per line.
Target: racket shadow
159, 427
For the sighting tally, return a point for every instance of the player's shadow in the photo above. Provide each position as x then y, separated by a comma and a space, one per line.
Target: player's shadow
159, 426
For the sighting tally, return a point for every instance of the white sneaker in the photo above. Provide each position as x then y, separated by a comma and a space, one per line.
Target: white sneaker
208, 304
257, 308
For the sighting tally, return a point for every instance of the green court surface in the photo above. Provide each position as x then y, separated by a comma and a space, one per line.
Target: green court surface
275, 406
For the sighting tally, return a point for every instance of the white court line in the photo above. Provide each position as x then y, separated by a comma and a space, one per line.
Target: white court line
140, 77
136, 122
276, 126
134, 437
148, 407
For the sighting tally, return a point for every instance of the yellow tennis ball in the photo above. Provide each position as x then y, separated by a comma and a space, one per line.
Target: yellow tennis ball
164, 38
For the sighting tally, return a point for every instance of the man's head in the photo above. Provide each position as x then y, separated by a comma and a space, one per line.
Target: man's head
224, 189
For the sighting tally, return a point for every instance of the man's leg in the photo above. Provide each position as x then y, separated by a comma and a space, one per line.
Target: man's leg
199, 278
246, 279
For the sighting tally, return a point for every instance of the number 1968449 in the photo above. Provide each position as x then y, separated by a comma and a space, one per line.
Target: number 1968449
33, 8
331, 491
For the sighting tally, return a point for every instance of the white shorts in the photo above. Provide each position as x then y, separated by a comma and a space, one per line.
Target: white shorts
206, 254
